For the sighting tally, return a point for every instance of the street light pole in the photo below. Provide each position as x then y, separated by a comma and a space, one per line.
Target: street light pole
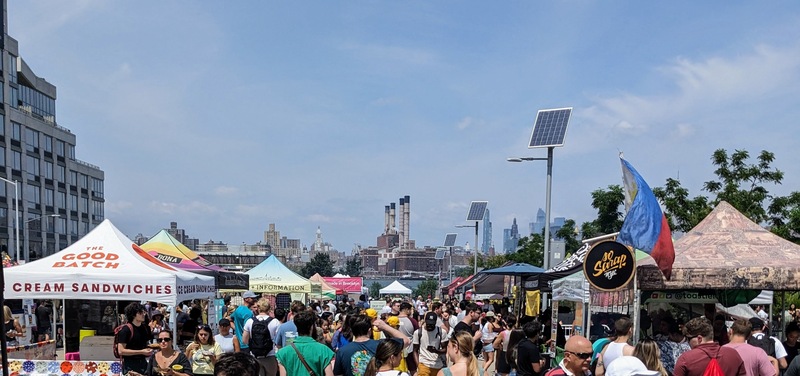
549, 159
27, 232
16, 214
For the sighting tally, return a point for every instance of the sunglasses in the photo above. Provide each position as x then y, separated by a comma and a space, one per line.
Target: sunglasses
164, 340
583, 356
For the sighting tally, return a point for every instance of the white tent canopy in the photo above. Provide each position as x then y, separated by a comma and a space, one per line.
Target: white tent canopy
105, 265
395, 288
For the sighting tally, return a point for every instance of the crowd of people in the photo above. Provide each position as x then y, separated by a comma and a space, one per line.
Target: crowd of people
416, 337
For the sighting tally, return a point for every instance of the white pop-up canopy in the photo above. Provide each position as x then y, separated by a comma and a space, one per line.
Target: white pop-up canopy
395, 288
105, 265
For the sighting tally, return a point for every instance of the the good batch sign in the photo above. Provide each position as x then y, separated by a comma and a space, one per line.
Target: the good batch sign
609, 266
90, 258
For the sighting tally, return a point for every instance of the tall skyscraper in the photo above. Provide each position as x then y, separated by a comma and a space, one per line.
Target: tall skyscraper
487, 234
538, 226
511, 238
60, 196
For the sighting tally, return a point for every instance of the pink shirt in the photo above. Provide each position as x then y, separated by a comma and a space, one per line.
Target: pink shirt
756, 362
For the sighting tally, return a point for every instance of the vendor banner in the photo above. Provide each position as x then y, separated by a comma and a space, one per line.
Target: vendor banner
45, 350
609, 266
349, 284
691, 297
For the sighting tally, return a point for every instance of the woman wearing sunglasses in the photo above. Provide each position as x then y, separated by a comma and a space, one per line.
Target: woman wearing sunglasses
167, 361
203, 351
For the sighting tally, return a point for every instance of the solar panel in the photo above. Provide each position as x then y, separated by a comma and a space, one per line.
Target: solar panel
450, 240
477, 210
440, 253
550, 128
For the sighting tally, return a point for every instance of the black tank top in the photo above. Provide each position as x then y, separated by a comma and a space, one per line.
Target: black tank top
9, 325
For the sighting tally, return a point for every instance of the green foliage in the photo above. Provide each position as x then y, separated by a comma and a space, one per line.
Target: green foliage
568, 233
427, 288
463, 272
353, 267
530, 250
487, 262
375, 290
609, 205
683, 213
785, 217
741, 184
321, 263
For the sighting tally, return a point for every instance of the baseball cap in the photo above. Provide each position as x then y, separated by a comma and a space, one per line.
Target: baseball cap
430, 318
249, 294
629, 366
373, 314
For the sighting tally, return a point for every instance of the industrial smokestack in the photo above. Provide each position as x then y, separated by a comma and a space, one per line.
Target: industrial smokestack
401, 221
406, 220
386, 220
392, 226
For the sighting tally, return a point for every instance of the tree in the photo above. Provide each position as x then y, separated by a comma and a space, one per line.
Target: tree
683, 213
487, 262
785, 216
530, 250
375, 290
321, 263
463, 272
427, 288
609, 216
568, 233
353, 267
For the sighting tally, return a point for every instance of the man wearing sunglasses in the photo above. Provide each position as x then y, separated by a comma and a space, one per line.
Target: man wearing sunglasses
577, 356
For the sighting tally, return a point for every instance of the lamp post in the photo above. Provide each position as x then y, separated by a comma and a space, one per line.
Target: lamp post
16, 213
549, 159
27, 232
476, 243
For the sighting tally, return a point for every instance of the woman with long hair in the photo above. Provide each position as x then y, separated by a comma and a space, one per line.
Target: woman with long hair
167, 361
459, 348
203, 351
501, 346
387, 357
489, 333
514, 338
647, 351
12, 327
343, 335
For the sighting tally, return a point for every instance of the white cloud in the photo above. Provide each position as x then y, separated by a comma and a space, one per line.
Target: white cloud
469, 122
226, 191
319, 218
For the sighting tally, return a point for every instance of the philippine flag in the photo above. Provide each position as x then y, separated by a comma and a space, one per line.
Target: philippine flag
645, 225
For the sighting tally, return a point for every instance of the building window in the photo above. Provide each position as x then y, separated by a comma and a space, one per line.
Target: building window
32, 167
73, 177
85, 228
12, 71
3, 157
31, 140
60, 148
16, 131
16, 160
97, 187
3, 217
50, 224
61, 200
97, 210
73, 202
33, 196
60, 171
49, 197
84, 181
2, 125
71, 151
3, 191
85, 204
47, 143
61, 226
73, 227
48, 170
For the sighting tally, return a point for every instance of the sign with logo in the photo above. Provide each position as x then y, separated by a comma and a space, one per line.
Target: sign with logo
609, 266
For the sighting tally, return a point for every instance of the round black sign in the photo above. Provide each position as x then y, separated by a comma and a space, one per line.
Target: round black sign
609, 266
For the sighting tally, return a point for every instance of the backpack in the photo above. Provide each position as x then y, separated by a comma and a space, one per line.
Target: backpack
765, 342
260, 338
713, 368
116, 338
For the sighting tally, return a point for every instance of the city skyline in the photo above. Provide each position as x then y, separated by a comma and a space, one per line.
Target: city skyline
226, 117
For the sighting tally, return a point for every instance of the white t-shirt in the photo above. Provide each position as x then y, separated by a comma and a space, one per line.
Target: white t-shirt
429, 338
225, 342
273, 329
780, 351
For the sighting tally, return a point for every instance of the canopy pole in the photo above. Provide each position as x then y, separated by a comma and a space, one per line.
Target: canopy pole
636, 316
63, 325
173, 316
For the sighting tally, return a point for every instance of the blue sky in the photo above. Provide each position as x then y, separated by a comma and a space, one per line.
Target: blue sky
228, 116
